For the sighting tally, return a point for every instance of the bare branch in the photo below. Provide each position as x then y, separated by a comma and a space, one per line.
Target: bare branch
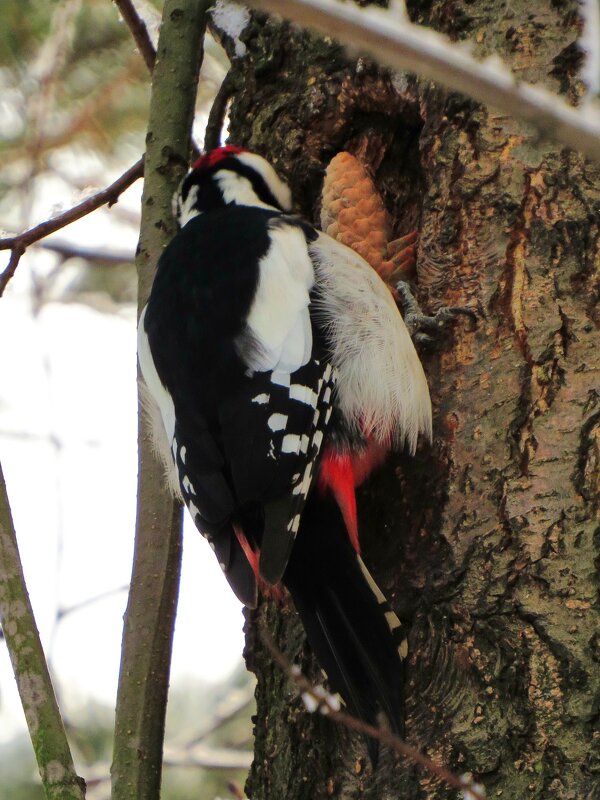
236, 791
45, 725
216, 117
235, 702
208, 757
416, 49
140, 33
137, 26
93, 255
108, 196
150, 615
17, 251
317, 699
66, 610
19, 243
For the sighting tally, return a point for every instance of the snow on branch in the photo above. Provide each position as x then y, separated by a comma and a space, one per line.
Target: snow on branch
411, 47
590, 44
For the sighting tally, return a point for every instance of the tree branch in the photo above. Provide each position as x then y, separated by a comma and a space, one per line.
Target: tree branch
416, 49
46, 728
216, 117
142, 38
317, 699
150, 615
235, 702
93, 255
19, 243
209, 758
138, 28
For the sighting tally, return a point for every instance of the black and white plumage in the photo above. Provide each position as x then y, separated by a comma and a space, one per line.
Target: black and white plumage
279, 371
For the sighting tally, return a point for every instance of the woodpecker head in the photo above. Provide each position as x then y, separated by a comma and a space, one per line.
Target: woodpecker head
230, 176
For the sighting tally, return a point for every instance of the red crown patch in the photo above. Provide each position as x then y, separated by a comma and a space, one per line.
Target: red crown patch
212, 158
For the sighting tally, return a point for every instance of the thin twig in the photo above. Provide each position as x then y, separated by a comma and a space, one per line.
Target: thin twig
52, 57
139, 31
17, 251
216, 117
236, 791
235, 702
324, 703
208, 757
92, 255
36, 146
66, 610
417, 49
108, 196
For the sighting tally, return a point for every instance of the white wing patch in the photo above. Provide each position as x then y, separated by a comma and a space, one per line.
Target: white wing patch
185, 211
279, 320
381, 384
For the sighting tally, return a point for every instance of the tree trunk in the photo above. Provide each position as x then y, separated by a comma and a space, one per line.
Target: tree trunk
487, 542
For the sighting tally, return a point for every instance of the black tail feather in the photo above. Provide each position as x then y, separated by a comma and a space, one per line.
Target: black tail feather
349, 625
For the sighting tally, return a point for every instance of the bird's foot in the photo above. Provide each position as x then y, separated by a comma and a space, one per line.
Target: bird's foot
424, 329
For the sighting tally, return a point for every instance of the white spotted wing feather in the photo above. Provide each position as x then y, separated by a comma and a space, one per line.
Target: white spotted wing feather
279, 320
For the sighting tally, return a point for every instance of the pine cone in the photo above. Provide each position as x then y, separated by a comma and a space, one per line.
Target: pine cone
352, 212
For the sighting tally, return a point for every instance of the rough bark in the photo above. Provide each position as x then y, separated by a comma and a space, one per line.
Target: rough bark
487, 543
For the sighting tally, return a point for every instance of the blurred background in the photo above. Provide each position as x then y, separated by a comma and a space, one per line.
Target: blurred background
74, 96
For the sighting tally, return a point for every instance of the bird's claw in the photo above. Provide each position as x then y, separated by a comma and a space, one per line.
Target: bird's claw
425, 329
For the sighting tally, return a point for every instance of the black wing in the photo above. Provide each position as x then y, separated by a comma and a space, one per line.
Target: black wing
245, 443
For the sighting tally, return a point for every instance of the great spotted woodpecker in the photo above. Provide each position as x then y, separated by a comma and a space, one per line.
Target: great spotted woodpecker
282, 372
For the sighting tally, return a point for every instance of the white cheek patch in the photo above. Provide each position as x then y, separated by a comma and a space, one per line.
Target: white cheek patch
185, 210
